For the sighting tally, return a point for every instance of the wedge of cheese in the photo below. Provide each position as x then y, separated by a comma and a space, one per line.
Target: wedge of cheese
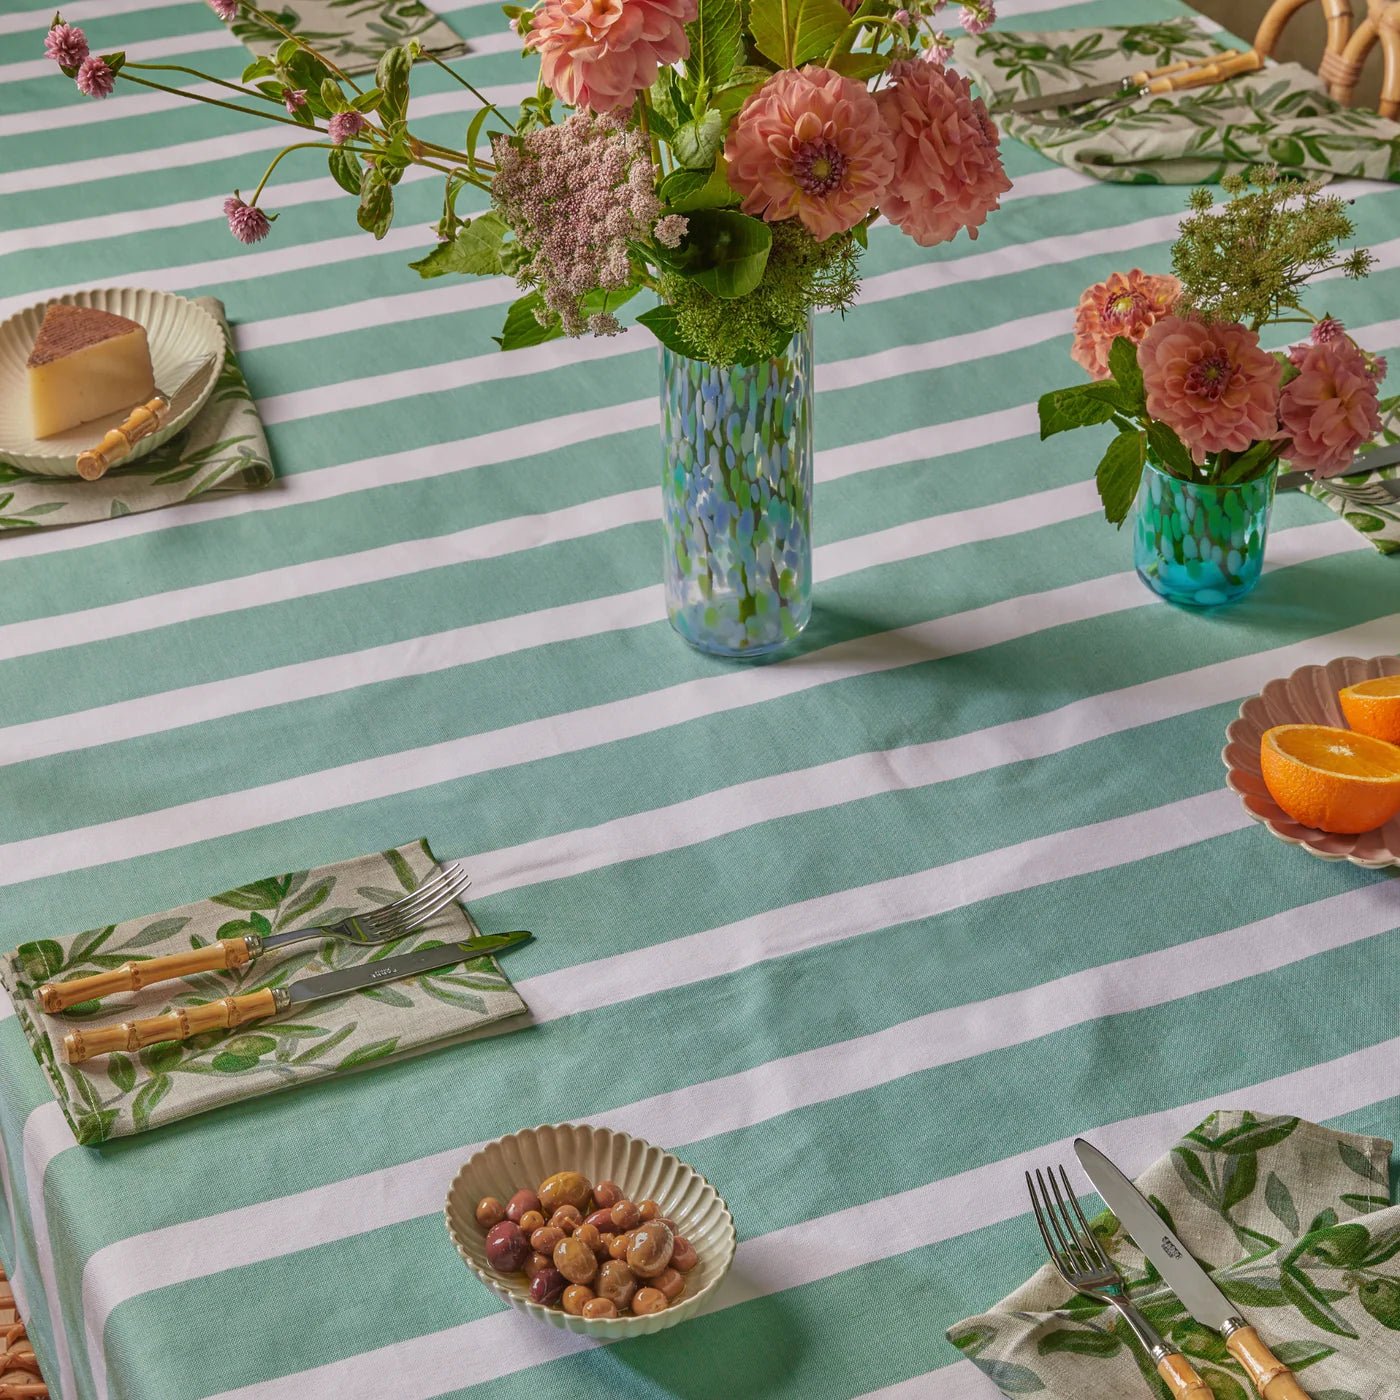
86, 364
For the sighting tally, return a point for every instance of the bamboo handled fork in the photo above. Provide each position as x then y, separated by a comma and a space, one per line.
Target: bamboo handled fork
381, 925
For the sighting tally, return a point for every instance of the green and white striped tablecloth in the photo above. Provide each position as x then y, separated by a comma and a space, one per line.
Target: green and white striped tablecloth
860, 934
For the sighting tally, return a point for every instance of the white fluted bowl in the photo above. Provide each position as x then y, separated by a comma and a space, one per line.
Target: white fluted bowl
1308, 696
644, 1172
177, 331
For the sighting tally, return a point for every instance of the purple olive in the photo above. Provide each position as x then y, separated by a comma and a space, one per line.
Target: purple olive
507, 1247
547, 1287
521, 1204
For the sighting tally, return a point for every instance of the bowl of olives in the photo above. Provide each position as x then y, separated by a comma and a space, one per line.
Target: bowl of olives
590, 1229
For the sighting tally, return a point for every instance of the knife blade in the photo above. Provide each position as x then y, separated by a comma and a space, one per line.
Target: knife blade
185, 381
1075, 97
184, 1022
1186, 1278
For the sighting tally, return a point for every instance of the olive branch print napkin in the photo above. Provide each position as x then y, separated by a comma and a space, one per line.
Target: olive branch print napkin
223, 450
351, 33
117, 1095
1280, 115
1295, 1223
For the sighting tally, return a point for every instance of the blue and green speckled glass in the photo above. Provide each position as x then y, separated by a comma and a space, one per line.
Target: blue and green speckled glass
736, 490
1201, 546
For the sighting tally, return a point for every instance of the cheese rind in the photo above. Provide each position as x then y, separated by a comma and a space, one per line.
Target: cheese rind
86, 364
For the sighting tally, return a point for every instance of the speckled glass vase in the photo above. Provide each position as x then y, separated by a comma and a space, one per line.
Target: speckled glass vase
736, 488
1201, 546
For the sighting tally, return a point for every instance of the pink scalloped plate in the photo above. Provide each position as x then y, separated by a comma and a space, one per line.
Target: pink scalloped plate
1308, 696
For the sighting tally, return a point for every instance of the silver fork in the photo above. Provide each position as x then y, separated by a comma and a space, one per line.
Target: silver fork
381, 925
1081, 1261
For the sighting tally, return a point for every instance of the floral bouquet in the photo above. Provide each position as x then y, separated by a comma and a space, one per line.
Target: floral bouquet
727, 155
1204, 413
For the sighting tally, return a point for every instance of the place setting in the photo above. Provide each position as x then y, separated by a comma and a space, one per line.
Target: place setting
837, 966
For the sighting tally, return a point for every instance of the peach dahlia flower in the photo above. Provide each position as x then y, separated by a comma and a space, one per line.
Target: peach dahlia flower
948, 174
809, 145
601, 53
1330, 408
1210, 383
1127, 305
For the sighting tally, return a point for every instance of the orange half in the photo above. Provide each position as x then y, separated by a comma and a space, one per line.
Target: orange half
1331, 778
1373, 707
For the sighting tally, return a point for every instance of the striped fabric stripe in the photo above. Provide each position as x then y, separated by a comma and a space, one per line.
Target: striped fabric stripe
859, 933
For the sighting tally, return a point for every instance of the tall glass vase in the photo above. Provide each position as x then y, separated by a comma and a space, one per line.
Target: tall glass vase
1201, 546
736, 488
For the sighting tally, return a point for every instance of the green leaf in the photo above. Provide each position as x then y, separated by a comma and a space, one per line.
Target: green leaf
155, 933
375, 1050
376, 211
860, 66
1012, 1379
159, 1059
476, 250
39, 960
1252, 1293
716, 41
1381, 1298
812, 27
152, 1092
389, 996
1169, 449
1123, 364
332, 97
1359, 1163
1118, 477
391, 75
305, 902
261, 894
1080, 1343
1302, 1354
403, 872
1343, 1246
1193, 1175
661, 322
1280, 1201
696, 144
1240, 1178
1308, 1299
687, 190
1063, 409
121, 1072
1223, 1386
228, 1063
324, 1047
367, 101
723, 251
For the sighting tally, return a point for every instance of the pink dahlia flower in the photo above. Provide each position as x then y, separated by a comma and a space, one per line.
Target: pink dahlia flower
95, 78
809, 145
345, 125
66, 44
1125, 305
1330, 408
246, 222
1210, 383
947, 174
601, 53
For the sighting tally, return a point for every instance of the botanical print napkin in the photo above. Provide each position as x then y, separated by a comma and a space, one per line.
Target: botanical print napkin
351, 33
117, 1095
1295, 1223
1280, 115
223, 450
1370, 501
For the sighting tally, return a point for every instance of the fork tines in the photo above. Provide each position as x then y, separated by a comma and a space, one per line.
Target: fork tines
414, 910
1074, 1251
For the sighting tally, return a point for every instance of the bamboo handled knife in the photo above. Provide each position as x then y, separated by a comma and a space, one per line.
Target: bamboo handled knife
1186, 1278
184, 1022
144, 419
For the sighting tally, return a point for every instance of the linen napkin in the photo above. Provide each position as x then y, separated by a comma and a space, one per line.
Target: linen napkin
1369, 501
351, 33
1278, 116
1295, 1222
117, 1095
223, 450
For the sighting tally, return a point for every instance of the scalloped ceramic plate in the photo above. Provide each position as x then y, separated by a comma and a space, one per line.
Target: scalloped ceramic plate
1308, 696
178, 331
644, 1172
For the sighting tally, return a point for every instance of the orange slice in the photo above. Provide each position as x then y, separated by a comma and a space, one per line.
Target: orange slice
1331, 778
1373, 707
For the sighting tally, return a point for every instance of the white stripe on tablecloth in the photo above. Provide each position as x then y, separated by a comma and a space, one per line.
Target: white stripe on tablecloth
370, 779
506, 1342
79, 11
959, 1381
141, 102
143, 51
386, 1196
125, 164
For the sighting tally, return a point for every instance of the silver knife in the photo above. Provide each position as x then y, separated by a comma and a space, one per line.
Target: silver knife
184, 1022
185, 382
1361, 465
1186, 1278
